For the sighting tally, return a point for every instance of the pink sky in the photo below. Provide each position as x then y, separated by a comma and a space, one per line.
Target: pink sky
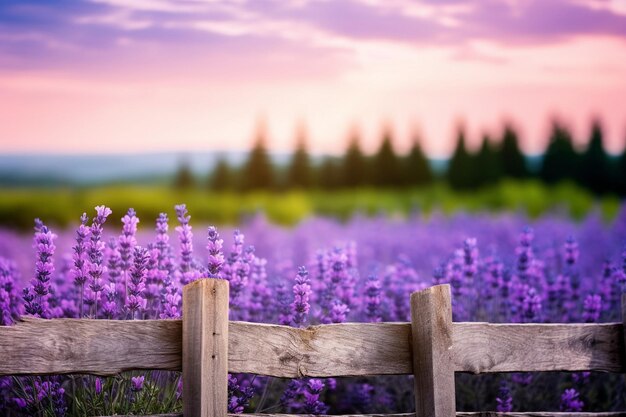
161, 75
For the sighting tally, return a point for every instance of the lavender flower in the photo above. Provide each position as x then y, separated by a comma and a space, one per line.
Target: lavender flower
592, 308
80, 268
570, 401
216, 257
95, 252
373, 299
9, 305
186, 246
136, 383
301, 293
36, 297
312, 402
136, 301
571, 251
239, 395
504, 400
126, 242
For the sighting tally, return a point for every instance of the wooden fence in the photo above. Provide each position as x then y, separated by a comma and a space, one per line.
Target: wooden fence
205, 346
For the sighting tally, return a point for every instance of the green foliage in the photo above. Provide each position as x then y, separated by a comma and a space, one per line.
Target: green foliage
488, 164
329, 175
560, 161
387, 170
183, 179
223, 176
258, 172
460, 168
416, 168
354, 170
18, 207
512, 162
158, 395
299, 173
595, 170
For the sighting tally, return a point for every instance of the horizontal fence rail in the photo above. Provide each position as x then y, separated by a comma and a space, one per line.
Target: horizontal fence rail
107, 347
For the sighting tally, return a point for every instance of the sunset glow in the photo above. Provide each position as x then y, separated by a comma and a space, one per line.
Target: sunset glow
161, 75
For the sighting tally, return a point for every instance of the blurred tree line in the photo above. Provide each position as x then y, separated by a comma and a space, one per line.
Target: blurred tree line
497, 158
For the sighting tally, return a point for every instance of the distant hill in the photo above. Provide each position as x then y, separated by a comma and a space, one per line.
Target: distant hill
52, 170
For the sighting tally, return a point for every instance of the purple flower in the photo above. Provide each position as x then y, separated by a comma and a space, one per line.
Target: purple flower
301, 293
98, 386
36, 297
136, 383
592, 307
504, 400
95, 253
216, 257
238, 395
373, 299
185, 237
9, 305
126, 244
312, 402
80, 267
570, 401
571, 251
136, 302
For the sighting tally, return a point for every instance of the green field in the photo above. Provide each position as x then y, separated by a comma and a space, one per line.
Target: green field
63, 206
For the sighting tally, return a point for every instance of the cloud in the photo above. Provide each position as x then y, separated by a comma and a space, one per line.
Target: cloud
286, 39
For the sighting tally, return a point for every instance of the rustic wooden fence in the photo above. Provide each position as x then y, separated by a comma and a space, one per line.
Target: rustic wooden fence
206, 346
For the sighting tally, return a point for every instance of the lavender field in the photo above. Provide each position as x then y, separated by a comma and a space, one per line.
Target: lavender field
502, 268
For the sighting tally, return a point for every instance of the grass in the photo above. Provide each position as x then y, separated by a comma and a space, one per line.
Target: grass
63, 206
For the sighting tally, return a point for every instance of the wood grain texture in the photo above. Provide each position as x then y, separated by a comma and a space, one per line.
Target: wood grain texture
484, 347
431, 324
205, 348
99, 347
107, 347
320, 351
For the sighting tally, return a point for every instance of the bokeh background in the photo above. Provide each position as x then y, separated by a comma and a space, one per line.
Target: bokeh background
336, 106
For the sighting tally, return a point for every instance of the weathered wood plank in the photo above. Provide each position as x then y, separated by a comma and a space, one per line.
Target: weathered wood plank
484, 347
349, 349
205, 348
106, 347
100, 347
431, 324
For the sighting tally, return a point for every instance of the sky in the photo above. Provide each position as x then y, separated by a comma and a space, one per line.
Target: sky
121, 76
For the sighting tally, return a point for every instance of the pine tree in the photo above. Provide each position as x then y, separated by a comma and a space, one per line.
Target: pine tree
299, 173
258, 172
222, 178
387, 170
512, 163
459, 173
594, 170
620, 183
488, 167
183, 179
417, 171
329, 174
560, 161
354, 168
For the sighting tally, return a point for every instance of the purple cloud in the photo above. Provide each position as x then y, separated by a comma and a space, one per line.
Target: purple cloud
84, 34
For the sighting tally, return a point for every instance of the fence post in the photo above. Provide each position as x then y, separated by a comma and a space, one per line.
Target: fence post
431, 329
205, 348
